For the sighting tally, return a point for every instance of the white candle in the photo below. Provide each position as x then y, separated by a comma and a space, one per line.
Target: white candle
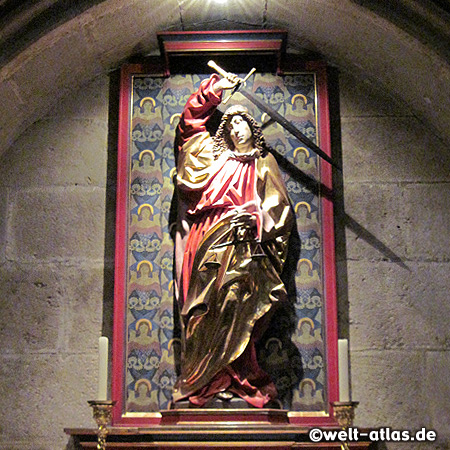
344, 384
102, 369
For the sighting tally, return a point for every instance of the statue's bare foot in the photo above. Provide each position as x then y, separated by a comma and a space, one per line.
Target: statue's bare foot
225, 395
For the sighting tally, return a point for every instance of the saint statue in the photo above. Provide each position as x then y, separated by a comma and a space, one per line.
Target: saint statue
234, 223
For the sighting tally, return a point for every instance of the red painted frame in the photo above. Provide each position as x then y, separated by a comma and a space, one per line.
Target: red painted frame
329, 257
329, 266
268, 42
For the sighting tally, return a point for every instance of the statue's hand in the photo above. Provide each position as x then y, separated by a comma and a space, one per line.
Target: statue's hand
228, 82
244, 225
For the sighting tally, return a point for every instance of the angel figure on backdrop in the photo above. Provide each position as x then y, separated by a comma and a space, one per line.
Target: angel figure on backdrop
234, 223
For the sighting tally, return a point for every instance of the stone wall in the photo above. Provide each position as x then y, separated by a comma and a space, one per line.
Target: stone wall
56, 265
53, 271
397, 211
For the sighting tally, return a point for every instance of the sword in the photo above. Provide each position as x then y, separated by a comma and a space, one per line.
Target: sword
275, 116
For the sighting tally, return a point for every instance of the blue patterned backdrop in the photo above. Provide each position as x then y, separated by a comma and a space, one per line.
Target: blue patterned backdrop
293, 352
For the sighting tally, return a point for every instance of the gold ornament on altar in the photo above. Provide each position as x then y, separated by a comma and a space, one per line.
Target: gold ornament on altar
102, 413
344, 412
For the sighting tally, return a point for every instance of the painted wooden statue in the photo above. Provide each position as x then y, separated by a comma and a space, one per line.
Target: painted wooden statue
234, 222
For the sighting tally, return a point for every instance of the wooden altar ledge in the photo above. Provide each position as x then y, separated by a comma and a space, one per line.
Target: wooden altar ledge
195, 435
228, 417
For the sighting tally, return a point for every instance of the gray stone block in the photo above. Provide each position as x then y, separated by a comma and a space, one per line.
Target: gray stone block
376, 221
90, 101
4, 196
66, 148
59, 151
437, 388
140, 21
58, 64
428, 212
396, 307
58, 224
34, 444
389, 387
392, 149
50, 308
32, 317
12, 112
86, 309
361, 97
51, 392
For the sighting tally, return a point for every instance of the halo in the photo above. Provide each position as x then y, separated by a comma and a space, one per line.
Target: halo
307, 381
144, 321
143, 381
305, 319
171, 284
150, 152
302, 149
307, 261
173, 117
171, 342
149, 264
173, 172
145, 205
305, 100
149, 99
297, 206
269, 341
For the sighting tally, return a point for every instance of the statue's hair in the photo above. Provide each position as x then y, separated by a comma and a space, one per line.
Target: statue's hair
222, 139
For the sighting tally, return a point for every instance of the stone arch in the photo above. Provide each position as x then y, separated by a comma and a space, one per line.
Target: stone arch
100, 38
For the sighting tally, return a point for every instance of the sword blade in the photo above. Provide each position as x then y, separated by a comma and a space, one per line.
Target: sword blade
277, 117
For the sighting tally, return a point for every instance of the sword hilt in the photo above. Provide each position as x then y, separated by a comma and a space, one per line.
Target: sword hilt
217, 68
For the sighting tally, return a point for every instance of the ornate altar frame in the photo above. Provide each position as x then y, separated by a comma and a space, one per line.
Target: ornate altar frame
269, 43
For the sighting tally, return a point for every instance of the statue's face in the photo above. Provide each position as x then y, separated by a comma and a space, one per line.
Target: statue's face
240, 132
